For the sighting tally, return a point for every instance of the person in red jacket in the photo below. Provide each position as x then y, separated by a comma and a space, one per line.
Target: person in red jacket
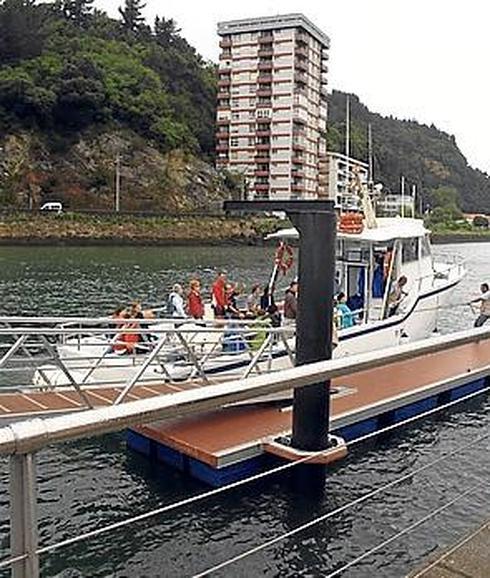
218, 295
195, 306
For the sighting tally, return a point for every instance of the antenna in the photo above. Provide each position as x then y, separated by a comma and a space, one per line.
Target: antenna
370, 159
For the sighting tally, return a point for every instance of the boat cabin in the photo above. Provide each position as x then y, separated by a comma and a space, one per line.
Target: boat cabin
369, 263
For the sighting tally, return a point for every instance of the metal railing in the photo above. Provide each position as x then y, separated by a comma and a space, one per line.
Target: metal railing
22, 440
81, 353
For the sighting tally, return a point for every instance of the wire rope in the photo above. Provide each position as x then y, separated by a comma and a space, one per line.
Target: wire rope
262, 475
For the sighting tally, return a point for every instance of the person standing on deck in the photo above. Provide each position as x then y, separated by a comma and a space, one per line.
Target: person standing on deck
176, 302
218, 295
253, 302
397, 295
484, 300
291, 303
195, 306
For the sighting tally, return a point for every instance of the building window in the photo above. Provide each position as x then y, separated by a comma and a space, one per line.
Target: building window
234, 142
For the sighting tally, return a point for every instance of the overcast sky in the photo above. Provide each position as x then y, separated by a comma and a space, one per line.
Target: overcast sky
418, 59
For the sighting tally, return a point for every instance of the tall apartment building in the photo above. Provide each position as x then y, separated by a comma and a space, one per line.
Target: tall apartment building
272, 109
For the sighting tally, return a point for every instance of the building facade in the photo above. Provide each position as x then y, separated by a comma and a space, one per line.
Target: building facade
272, 107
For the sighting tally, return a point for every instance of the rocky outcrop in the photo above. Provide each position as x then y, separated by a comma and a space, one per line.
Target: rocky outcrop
80, 173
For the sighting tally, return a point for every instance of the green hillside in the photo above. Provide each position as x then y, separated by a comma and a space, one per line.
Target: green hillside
425, 155
78, 88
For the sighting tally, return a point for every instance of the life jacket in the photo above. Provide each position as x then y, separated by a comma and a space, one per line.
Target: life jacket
126, 342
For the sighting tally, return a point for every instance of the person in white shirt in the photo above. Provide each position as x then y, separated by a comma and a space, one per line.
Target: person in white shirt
484, 300
176, 306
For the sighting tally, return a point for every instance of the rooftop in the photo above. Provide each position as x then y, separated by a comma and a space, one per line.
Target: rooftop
272, 23
387, 230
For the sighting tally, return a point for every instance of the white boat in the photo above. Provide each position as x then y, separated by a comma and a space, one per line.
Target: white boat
399, 247
368, 263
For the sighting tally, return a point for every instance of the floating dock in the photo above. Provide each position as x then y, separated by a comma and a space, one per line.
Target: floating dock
223, 446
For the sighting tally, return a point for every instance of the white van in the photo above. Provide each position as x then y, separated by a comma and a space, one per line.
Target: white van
53, 206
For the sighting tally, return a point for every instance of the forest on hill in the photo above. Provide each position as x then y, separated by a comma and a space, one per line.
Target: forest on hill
426, 156
80, 91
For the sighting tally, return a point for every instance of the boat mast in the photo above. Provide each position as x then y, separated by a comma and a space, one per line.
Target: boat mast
347, 143
403, 195
370, 159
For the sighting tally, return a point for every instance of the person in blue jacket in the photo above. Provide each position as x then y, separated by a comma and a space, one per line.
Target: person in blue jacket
343, 311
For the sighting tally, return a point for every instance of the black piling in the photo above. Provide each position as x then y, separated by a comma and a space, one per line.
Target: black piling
316, 223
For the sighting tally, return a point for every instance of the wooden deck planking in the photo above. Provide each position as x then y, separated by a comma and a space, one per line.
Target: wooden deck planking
209, 436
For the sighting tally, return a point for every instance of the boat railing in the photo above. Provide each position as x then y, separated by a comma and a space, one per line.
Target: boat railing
21, 441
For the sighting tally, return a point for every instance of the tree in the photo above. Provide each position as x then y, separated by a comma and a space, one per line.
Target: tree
23, 30
166, 32
80, 96
78, 11
444, 197
133, 20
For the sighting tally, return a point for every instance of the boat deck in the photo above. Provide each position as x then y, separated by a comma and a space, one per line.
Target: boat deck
224, 437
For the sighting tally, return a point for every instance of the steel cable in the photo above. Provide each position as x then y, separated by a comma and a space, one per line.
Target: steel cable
282, 468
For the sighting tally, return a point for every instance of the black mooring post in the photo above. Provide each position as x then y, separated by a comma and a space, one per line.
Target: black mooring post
314, 323
316, 223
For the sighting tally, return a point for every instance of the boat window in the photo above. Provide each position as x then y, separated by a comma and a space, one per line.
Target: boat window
425, 247
410, 250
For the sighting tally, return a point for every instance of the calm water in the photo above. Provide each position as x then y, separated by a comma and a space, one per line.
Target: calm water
88, 484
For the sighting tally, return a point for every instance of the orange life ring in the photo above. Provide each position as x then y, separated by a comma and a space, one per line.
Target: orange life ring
284, 258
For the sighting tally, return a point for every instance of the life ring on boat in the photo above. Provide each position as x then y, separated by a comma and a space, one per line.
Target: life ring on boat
284, 257
351, 223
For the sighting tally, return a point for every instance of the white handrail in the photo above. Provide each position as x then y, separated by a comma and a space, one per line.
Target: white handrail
30, 436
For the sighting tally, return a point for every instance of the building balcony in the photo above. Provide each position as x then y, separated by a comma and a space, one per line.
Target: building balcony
263, 133
298, 173
265, 52
261, 172
264, 104
224, 81
266, 38
264, 92
301, 50
297, 188
225, 55
301, 64
323, 93
223, 104
263, 146
223, 121
224, 95
300, 77
222, 147
265, 65
299, 146
262, 158
298, 159
225, 43
264, 78
262, 187
222, 134
324, 66
322, 179
263, 120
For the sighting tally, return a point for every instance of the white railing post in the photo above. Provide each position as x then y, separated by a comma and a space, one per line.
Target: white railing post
23, 515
